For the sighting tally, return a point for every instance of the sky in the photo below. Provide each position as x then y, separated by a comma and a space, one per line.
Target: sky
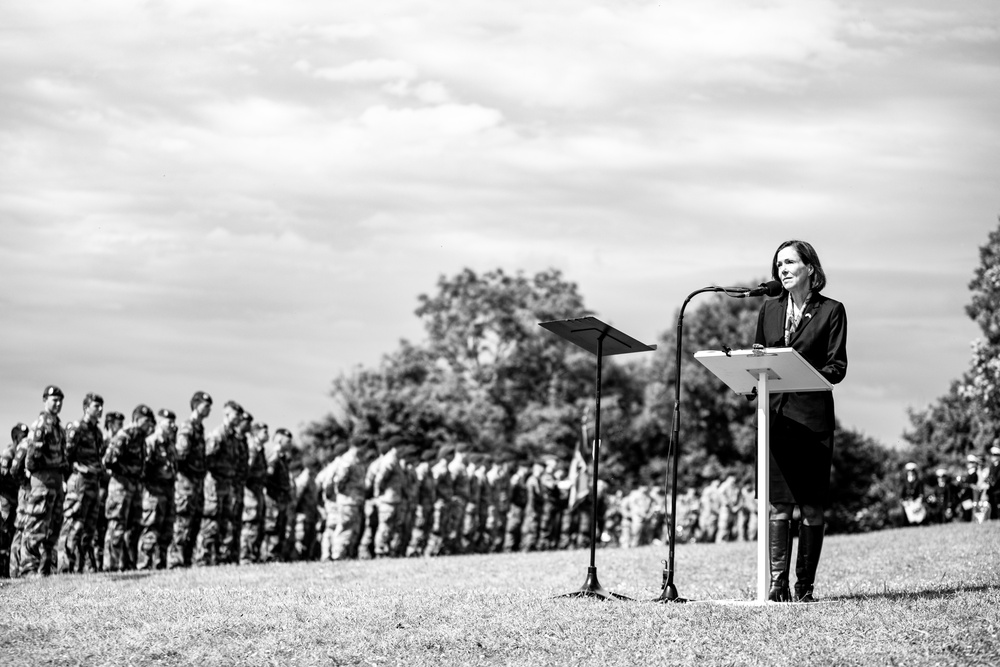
248, 198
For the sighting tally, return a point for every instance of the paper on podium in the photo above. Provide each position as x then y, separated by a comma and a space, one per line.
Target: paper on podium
787, 370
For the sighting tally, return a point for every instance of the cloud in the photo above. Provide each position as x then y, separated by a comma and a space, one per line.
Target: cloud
273, 184
368, 70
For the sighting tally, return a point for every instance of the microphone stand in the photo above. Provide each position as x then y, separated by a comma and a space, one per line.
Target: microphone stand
669, 592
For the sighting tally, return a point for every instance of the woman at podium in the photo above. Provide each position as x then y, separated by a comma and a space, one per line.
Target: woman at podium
802, 424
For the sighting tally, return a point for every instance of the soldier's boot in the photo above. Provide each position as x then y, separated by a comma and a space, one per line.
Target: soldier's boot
807, 560
780, 549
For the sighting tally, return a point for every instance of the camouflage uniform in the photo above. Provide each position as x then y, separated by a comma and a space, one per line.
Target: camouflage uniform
517, 496
534, 506
369, 524
729, 498
254, 504
277, 498
388, 483
158, 500
460, 492
407, 508
347, 485
125, 459
222, 449
19, 473
230, 551
551, 509
441, 523
423, 509
45, 459
10, 487
498, 480
110, 419
84, 451
470, 520
328, 500
708, 512
613, 520
637, 514
746, 515
306, 514
189, 492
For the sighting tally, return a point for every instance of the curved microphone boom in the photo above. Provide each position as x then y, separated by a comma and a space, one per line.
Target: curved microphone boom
771, 288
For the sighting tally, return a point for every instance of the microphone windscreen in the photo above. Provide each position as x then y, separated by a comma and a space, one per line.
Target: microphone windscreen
773, 287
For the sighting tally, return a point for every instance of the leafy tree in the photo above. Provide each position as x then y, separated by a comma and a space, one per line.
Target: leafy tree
967, 418
487, 375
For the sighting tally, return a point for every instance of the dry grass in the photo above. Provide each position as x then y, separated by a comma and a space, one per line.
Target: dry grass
919, 596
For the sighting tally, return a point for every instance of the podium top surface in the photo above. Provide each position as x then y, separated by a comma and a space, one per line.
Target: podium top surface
786, 370
586, 332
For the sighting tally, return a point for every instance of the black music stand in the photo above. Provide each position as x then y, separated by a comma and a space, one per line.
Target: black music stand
601, 339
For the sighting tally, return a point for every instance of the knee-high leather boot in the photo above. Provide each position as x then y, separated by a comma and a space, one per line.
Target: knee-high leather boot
807, 560
780, 547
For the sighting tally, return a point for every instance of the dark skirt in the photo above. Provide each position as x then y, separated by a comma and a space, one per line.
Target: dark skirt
800, 463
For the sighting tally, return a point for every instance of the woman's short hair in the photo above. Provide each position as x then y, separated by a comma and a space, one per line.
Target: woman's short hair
808, 256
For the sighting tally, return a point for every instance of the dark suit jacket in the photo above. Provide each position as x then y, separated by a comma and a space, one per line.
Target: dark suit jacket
822, 340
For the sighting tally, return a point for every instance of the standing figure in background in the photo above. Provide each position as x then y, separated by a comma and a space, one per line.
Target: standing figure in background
993, 483
941, 498
84, 452
158, 508
125, 460
388, 483
969, 487
437, 544
306, 498
729, 499
277, 496
230, 552
45, 460
708, 512
252, 535
113, 422
551, 504
534, 508
470, 519
498, 477
221, 451
746, 515
14, 488
460, 491
407, 506
347, 486
423, 514
189, 484
911, 495
517, 499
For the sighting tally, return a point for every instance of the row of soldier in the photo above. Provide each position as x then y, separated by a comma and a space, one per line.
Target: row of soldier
141, 495
150, 494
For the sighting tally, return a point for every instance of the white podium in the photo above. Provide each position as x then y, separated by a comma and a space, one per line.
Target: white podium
770, 371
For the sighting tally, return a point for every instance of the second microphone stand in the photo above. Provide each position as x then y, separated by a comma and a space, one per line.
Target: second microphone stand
669, 592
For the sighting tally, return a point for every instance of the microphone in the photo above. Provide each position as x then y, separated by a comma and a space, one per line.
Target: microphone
770, 288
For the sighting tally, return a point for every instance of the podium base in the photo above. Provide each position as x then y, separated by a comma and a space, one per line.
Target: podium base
669, 594
592, 589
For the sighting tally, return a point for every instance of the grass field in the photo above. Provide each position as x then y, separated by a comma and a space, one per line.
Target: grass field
915, 596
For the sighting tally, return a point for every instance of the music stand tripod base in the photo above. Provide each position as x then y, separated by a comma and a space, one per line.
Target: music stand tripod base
602, 340
592, 589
